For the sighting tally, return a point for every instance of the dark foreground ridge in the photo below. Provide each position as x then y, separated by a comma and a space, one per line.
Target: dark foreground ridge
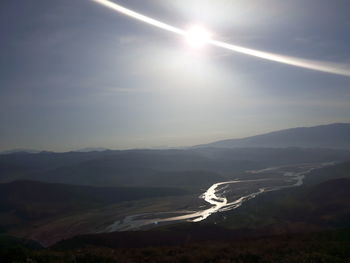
329, 246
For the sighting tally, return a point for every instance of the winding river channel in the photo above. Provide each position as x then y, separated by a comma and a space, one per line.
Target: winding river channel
225, 196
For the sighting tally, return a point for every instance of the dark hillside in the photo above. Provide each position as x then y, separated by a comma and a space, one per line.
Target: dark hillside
28, 200
341, 170
325, 205
327, 247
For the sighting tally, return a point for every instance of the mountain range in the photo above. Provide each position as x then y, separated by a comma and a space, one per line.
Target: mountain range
333, 136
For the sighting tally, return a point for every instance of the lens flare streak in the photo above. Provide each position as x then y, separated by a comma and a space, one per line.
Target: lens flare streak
328, 67
140, 17
293, 61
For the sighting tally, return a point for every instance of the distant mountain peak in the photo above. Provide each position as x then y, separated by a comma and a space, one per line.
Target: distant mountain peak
92, 149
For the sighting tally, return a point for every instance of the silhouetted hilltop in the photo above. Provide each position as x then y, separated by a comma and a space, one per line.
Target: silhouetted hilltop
335, 136
194, 168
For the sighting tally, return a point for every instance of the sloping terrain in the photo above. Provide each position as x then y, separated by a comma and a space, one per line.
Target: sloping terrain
282, 226
22, 165
341, 170
336, 136
321, 204
23, 202
197, 168
328, 247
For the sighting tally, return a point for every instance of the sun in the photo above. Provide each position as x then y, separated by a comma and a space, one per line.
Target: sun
197, 36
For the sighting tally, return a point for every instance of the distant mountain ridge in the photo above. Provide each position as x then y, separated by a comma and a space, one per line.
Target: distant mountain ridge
92, 149
333, 136
16, 151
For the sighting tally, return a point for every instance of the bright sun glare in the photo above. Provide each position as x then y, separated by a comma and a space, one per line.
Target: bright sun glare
197, 36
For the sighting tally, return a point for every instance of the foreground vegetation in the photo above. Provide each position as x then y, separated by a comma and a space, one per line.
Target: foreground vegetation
331, 246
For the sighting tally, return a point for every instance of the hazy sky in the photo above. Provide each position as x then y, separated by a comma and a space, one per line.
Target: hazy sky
74, 74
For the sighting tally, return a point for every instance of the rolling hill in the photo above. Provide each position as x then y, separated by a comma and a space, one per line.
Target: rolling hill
186, 168
333, 136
